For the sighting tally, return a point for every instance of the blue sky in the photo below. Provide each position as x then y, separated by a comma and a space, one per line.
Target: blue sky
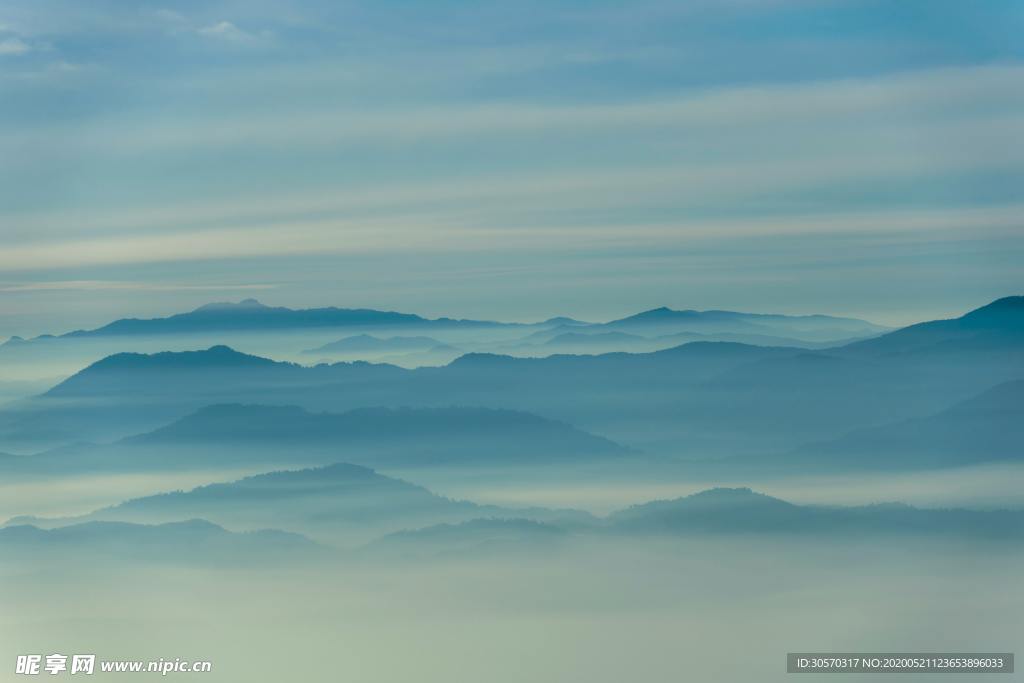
509, 160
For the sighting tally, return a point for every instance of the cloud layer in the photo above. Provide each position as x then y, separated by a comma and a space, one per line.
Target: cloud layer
257, 137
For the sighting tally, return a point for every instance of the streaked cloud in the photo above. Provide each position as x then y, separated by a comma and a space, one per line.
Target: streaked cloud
225, 30
916, 98
497, 201
13, 46
147, 146
113, 285
445, 235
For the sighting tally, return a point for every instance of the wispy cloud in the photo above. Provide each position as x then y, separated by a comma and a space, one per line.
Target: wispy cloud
187, 136
225, 30
805, 162
441, 235
137, 286
917, 97
13, 47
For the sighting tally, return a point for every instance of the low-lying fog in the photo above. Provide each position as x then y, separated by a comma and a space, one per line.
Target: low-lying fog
991, 486
600, 610
69, 496
982, 487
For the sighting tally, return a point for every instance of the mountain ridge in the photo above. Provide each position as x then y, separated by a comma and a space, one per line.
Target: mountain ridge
996, 323
987, 427
340, 501
455, 430
252, 315
744, 511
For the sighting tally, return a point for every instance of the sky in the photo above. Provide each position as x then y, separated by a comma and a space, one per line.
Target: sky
509, 160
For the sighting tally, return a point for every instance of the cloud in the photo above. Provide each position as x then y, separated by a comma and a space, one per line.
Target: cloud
915, 98
103, 285
225, 30
13, 46
811, 160
709, 149
437, 235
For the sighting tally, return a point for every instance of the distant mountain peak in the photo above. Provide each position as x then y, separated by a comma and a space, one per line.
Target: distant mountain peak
728, 492
182, 363
482, 359
1015, 302
251, 315
997, 312
560, 320
715, 506
362, 343
218, 354
720, 495
661, 311
994, 325
726, 497
222, 349
228, 306
424, 434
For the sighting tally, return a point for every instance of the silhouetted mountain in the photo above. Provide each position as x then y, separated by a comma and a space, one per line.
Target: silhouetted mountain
999, 324
697, 359
189, 542
664, 315
219, 368
720, 511
561, 321
986, 428
742, 511
696, 400
425, 436
547, 333
252, 315
128, 393
161, 371
868, 384
340, 502
753, 339
253, 436
368, 343
809, 327
608, 342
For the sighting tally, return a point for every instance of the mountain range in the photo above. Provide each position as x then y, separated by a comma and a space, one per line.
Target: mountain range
252, 316
996, 326
362, 343
246, 436
985, 428
694, 401
396, 436
340, 503
810, 327
130, 392
349, 506
743, 511
713, 513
